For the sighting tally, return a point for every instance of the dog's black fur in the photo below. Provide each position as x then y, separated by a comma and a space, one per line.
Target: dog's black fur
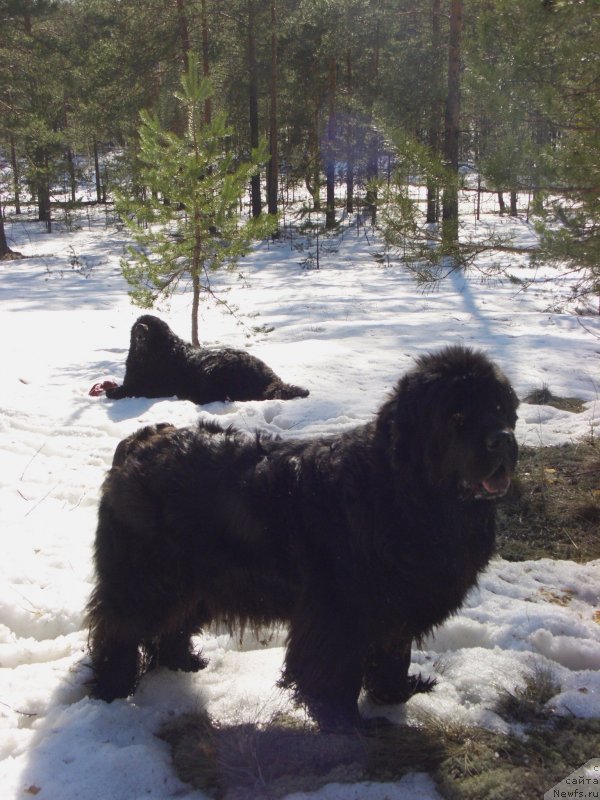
160, 364
359, 542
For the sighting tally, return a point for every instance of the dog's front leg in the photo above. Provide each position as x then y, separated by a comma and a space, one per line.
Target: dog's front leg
323, 667
386, 678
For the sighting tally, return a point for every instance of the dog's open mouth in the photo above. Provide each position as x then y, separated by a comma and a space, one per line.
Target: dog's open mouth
493, 487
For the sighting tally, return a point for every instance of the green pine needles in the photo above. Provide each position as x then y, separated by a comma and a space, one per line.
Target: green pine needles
184, 216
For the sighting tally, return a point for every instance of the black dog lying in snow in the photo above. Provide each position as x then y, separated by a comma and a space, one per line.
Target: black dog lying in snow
160, 364
359, 542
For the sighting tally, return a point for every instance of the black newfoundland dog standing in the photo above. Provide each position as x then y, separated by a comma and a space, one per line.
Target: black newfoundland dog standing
160, 364
360, 543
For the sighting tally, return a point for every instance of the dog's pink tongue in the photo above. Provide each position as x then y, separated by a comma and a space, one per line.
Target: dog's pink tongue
498, 483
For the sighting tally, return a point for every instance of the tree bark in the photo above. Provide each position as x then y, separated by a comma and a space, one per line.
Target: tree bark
312, 176
16, 175
330, 154
195, 272
273, 166
205, 61
255, 195
433, 133
452, 126
349, 140
43, 189
373, 157
98, 177
184, 34
4, 248
72, 181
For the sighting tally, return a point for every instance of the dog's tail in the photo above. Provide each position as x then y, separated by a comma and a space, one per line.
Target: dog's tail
278, 390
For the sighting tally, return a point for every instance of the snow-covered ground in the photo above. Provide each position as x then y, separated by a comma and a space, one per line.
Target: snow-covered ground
346, 331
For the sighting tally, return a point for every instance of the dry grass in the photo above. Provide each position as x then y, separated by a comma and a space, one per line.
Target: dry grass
544, 397
553, 509
248, 762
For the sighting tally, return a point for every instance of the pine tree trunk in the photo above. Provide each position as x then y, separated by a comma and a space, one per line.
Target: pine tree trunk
433, 133
195, 273
513, 203
256, 201
349, 142
452, 127
184, 34
330, 154
180, 121
313, 173
501, 203
195, 307
16, 175
205, 61
97, 175
373, 157
72, 181
273, 166
4, 248
43, 189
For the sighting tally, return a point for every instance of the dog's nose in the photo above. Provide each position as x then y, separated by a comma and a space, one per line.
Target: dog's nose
498, 440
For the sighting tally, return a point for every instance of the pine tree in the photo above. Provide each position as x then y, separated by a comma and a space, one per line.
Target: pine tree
187, 224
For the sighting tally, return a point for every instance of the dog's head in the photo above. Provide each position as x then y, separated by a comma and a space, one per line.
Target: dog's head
147, 335
458, 412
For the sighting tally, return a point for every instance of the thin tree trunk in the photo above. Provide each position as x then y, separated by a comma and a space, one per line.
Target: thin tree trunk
273, 166
44, 212
255, 195
195, 272
43, 189
97, 175
330, 154
16, 175
452, 126
184, 34
313, 172
349, 141
71, 168
180, 121
5, 251
433, 134
513, 203
205, 61
373, 157
501, 202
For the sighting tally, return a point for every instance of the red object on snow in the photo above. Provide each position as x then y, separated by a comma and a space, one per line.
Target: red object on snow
99, 388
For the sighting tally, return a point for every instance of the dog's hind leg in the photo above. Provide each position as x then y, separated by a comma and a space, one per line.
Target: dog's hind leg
116, 667
114, 646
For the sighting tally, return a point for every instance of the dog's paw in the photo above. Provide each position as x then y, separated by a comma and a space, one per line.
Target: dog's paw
402, 692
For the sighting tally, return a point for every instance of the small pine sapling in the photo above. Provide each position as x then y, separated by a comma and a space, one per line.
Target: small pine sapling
186, 222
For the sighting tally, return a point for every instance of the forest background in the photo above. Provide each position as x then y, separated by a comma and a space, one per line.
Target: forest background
362, 96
